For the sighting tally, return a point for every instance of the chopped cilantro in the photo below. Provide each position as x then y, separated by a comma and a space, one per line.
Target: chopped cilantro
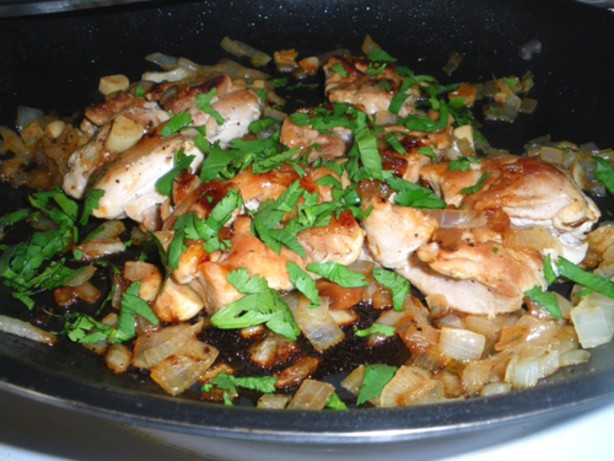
181, 162
399, 98
203, 102
92, 200
428, 152
477, 186
176, 124
229, 384
594, 282
261, 304
605, 173
545, 299
339, 274
375, 329
340, 70
375, 379
394, 142
303, 283
413, 195
335, 403
139, 91
397, 284
379, 55
462, 164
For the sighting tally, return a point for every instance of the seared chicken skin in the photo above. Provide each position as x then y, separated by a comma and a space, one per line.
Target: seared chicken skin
347, 80
129, 183
531, 192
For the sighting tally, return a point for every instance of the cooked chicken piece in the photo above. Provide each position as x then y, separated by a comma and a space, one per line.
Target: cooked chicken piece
504, 272
394, 232
341, 241
257, 188
92, 156
237, 106
317, 144
246, 251
347, 81
129, 183
530, 192
177, 302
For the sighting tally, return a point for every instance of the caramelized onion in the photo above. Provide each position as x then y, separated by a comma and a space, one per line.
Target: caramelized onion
152, 348
312, 395
25, 330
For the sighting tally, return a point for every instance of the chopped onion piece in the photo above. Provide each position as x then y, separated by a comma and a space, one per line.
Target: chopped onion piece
407, 387
461, 344
171, 76
453, 62
26, 115
118, 358
239, 49
25, 330
458, 219
525, 372
495, 389
81, 276
165, 61
593, 319
353, 381
574, 357
316, 323
312, 395
178, 372
152, 348
112, 83
273, 401
476, 375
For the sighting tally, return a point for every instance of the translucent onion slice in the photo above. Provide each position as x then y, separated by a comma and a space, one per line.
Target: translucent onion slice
534, 238
476, 375
407, 387
316, 323
273, 401
118, 358
525, 372
25, 330
593, 319
297, 372
495, 389
574, 357
461, 344
458, 219
152, 348
272, 350
179, 372
353, 381
239, 49
312, 395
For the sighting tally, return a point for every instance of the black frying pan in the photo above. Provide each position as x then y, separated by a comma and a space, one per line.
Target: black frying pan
54, 62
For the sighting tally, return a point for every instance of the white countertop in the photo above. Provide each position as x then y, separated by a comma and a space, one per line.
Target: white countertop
33, 431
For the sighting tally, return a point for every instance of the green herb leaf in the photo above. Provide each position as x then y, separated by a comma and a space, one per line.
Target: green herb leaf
335, 403
261, 305
303, 283
545, 299
131, 306
477, 186
428, 152
339, 274
92, 201
462, 164
596, 283
375, 329
394, 142
340, 70
176, 124
413, 195
605, 173
369, 153
181, 162
379, 55
375, 379
396, 103
397, 284
203, 102
139, 91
